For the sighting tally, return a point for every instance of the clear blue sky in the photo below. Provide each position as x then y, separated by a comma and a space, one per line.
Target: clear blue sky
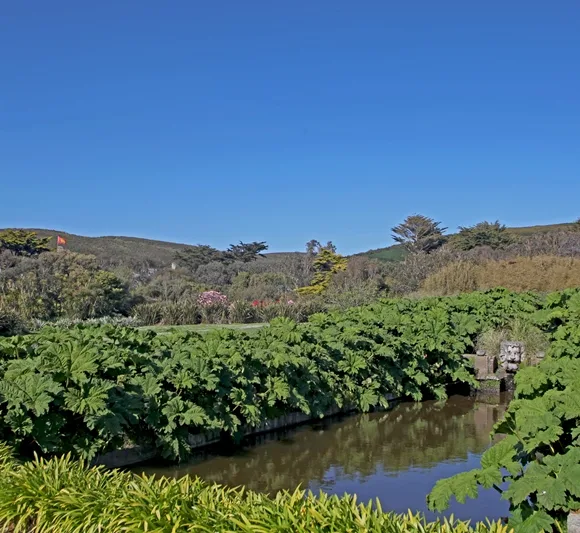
211, 122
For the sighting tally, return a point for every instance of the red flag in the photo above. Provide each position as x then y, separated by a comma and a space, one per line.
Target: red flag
60, 241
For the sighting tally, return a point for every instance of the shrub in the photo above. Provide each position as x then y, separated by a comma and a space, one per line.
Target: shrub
241, 312
492, 234
543, 274
363, 282
303, 308
211, 298
454, 278
272, 310
10, 324
407, 276
298, 310
68, 284
362, 293
149, 314
559, 243
181, 313
214, 313
535, 340
169, 286
260, 286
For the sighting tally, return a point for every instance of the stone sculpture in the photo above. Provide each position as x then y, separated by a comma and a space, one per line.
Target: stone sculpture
511, 355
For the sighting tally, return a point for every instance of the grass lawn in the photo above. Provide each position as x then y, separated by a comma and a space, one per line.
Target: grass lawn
204, 328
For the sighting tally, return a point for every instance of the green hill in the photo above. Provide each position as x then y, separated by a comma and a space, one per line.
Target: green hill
118, 250
130, 251
134, 251
396, 252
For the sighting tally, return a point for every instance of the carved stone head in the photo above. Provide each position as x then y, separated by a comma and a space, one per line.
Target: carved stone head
511, 355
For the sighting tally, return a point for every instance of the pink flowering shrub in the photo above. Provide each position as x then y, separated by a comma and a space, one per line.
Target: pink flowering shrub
208, 298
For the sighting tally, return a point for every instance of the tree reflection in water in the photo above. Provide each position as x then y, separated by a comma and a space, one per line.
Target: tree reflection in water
409, 444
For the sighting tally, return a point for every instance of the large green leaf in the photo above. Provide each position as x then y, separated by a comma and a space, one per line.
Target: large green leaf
536, 522
500, 454
461, 486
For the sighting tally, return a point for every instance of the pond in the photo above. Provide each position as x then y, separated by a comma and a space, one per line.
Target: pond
395, 456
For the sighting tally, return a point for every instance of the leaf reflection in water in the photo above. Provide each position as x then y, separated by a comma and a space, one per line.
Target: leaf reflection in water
409, 444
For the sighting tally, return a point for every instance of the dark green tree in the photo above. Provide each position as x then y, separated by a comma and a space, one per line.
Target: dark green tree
312, 247
492, 234
23, 242
246, 251
192, 257
418, 233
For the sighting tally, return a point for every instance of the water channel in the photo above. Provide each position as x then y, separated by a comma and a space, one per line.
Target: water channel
395, 456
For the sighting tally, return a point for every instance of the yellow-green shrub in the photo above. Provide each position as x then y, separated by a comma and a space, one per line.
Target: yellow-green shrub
453, 278
62, 495
542, 273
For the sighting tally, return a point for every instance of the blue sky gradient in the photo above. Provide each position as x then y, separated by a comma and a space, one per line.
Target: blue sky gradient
214, 122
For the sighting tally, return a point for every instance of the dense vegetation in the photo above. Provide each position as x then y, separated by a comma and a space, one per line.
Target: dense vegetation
64, 496
90, 389
172, 288
540, 273
539, 459
134, 251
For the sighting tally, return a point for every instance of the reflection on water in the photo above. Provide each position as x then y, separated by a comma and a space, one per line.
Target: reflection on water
395, 456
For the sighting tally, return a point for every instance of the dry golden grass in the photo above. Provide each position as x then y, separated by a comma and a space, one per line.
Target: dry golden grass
542, 274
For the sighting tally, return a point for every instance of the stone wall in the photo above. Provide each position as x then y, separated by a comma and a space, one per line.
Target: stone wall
139, 454
574, 522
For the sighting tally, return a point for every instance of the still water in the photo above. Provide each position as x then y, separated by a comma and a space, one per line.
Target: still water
395, 456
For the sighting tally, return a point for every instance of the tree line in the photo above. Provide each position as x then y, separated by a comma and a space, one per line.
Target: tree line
39, 285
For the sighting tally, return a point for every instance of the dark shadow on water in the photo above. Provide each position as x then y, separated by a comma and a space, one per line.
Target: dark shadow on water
395, 456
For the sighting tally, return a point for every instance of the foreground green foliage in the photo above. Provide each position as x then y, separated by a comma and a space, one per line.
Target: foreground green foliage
87, 390
61, 495
540, 457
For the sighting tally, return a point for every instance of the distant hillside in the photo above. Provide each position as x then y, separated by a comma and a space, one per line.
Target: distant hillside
118, 250
134, 251
131, 251
396, 252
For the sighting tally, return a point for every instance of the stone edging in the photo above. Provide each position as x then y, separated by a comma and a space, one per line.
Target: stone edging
574, 522
139, 454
